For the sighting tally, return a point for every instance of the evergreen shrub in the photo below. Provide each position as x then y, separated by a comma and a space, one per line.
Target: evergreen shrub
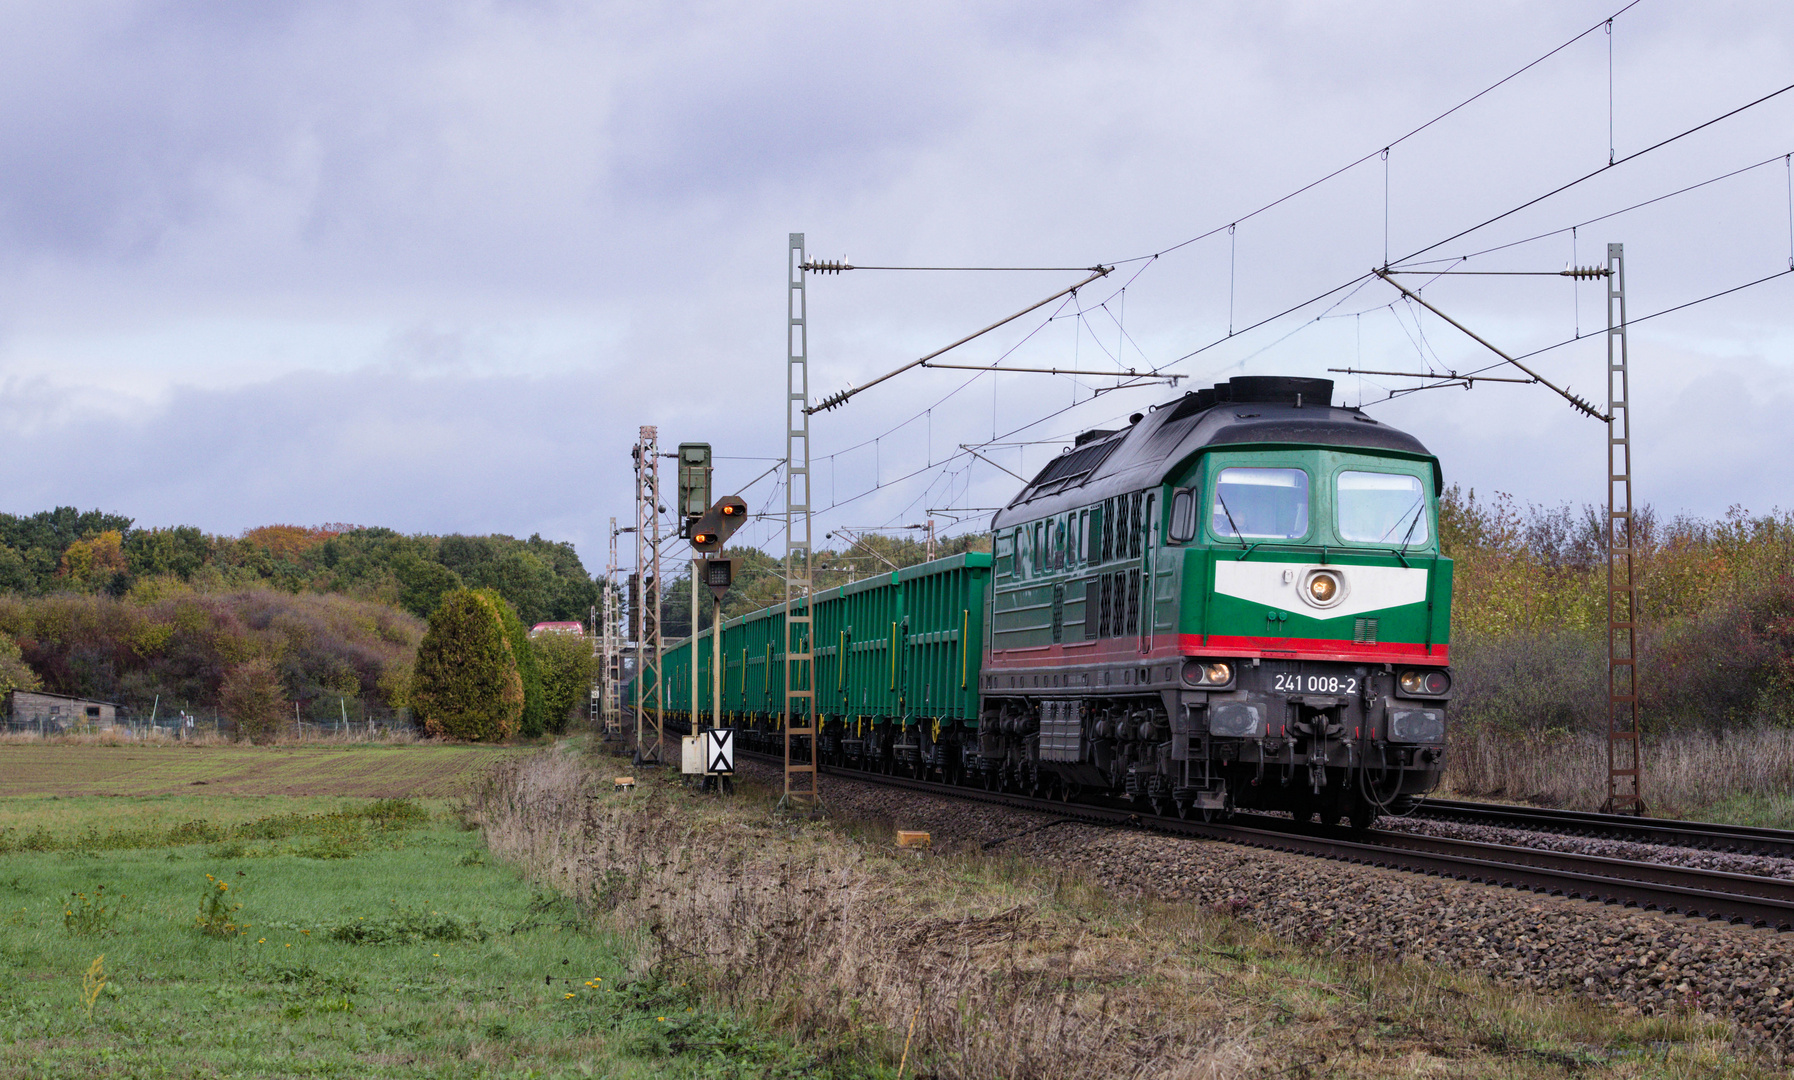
465, 684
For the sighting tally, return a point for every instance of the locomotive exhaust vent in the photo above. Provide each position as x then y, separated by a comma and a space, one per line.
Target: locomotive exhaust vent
1364, 631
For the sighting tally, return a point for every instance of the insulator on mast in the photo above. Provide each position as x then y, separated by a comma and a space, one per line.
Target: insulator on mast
1583, 273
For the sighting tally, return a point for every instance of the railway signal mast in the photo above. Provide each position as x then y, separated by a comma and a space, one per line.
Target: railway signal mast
1625, 763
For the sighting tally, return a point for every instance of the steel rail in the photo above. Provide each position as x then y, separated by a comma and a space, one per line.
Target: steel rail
1676, 890
1708, 835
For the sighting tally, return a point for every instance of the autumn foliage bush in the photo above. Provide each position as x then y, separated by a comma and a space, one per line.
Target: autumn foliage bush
1529, 617
466, 684
567, 668
181, 644
252, 697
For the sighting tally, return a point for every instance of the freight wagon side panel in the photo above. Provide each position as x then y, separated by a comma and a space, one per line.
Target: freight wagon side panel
944, 604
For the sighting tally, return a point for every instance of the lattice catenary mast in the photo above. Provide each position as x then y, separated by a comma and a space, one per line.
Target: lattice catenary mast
610, 672
798, 719
650, 695
1624, 769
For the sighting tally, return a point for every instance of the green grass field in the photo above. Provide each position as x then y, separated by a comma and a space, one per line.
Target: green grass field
375, 938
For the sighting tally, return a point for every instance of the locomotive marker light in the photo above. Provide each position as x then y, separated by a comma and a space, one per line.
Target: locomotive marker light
1425, 683
1201, 673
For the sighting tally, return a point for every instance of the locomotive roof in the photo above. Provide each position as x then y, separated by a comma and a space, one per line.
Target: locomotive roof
1246, 411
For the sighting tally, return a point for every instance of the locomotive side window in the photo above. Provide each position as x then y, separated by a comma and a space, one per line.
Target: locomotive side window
1260, 504
1183, 516
1382, 508
1005, 556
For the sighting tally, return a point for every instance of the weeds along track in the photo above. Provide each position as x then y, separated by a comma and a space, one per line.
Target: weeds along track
1730, 897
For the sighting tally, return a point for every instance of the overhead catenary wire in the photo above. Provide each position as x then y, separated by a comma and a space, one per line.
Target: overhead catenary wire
838, 266
1406, 390
1408, 259
1234, 331
1561, 188
1386, 147
1572, 229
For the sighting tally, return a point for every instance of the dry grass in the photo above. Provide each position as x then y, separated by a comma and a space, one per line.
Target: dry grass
808, 930
1013, 970
1746, 773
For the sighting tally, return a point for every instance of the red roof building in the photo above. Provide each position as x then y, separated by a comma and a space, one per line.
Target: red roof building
573, 629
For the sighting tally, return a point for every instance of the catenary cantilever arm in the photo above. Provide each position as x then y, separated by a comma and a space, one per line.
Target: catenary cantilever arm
841, 397
1578, 403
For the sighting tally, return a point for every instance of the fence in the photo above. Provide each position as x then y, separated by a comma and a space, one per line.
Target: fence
337, 722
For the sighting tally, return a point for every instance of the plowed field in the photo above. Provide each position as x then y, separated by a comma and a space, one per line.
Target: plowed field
366, 772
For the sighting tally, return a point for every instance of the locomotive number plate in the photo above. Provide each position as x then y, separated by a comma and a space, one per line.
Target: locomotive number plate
1315, 684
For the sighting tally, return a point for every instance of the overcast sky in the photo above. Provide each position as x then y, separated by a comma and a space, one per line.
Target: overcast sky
429, 265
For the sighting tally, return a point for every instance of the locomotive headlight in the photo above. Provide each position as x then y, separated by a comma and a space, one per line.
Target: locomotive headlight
1322, 588
1425, 683
1203, 673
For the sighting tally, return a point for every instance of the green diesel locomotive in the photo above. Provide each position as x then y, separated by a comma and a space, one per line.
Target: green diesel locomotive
1236, 601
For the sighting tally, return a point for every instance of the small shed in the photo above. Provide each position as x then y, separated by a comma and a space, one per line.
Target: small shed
30, 709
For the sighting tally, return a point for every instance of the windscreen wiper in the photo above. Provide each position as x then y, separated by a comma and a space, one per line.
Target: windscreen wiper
1408, 537
1237, 535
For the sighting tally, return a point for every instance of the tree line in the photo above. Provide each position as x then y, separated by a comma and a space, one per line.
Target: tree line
98, 553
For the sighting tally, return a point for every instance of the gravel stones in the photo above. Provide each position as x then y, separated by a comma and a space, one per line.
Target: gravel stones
1663, 854
1633, 959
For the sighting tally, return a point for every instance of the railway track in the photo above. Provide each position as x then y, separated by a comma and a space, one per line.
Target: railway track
1736, 839
1710, 894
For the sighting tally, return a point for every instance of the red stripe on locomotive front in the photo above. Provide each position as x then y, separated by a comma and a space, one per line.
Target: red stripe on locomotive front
1168, 647
1284, 648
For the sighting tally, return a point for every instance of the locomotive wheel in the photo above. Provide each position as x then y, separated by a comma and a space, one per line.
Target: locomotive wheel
1363, 815
1160, 805
1069, 791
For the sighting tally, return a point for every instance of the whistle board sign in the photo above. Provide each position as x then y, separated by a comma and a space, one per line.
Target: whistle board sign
719, 750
